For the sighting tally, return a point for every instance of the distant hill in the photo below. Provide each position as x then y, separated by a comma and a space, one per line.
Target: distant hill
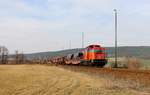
137, 51
129, 51
52, 54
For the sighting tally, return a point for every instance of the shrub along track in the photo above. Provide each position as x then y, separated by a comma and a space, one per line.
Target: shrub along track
138, 76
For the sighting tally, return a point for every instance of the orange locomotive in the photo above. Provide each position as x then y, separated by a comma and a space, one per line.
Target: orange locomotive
91, 55
94, 55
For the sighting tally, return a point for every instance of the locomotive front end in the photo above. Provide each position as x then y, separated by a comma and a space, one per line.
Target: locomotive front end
95, 54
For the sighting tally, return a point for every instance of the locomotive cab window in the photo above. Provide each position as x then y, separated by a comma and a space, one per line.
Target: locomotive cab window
97, 46
91, 47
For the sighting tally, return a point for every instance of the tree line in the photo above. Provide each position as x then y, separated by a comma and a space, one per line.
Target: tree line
5, 58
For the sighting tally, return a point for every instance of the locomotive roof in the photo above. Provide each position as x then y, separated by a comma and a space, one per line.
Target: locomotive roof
93, 45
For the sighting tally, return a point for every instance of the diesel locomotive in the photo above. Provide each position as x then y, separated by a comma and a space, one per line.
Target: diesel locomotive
91, 55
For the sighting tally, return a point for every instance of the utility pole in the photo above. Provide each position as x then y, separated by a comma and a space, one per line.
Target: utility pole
116, 48
69, 44
82, 39
17, 57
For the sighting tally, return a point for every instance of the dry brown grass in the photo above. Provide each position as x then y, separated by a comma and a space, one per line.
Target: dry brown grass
51, 80
133, 63
125, 62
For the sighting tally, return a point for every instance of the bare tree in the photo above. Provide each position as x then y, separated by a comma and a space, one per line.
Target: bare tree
19, 57
3, 55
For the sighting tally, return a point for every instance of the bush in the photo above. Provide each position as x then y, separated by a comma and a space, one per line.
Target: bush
125, 62
133, 63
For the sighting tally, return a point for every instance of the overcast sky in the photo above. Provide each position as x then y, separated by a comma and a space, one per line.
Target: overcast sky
49, 25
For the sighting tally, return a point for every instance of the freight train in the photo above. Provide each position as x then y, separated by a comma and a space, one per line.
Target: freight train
93, 55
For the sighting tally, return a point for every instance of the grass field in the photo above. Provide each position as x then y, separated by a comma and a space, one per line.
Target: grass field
52, 80
145, 64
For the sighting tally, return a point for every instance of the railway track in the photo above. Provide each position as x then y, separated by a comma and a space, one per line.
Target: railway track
138, 76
